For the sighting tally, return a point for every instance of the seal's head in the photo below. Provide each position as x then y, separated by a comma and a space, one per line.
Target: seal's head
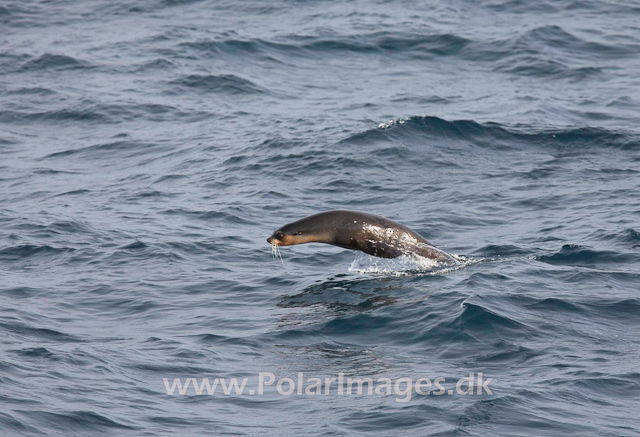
290, 235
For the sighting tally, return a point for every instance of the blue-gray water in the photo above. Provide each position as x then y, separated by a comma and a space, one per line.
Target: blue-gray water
148, 149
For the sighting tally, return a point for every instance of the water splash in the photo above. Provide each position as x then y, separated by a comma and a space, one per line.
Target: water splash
389, 123
407, 265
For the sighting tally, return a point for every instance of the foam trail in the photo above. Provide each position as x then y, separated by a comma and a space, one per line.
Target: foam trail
406, 265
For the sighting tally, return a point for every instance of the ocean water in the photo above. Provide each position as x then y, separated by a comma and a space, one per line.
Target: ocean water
148, 149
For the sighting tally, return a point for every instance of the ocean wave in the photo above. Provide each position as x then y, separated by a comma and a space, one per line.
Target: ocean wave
50, 61
99, 113
21, 292
222, 83
342, 295
547, 51
572, 254
31, 333
627, 237
493, 135
25, 251
233, 215
536, 67
553, 36
588, 308
127, 148
477, 320
11, 422
157, 64
378, 42
39, 91
78, 421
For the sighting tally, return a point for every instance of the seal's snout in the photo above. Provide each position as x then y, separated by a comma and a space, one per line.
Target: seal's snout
276, 238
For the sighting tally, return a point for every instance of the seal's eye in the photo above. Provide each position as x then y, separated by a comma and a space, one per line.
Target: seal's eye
279, 235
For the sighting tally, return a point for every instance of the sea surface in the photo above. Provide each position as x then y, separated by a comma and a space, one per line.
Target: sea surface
148, 148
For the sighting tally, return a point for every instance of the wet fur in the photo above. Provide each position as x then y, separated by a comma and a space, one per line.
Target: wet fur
355, 230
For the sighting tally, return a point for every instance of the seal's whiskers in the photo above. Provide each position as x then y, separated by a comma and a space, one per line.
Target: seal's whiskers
275, 250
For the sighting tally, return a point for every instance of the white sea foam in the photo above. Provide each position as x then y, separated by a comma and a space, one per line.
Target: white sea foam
390, 123
407, 265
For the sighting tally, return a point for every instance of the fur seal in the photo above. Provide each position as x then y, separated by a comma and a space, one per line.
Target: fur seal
355, 230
